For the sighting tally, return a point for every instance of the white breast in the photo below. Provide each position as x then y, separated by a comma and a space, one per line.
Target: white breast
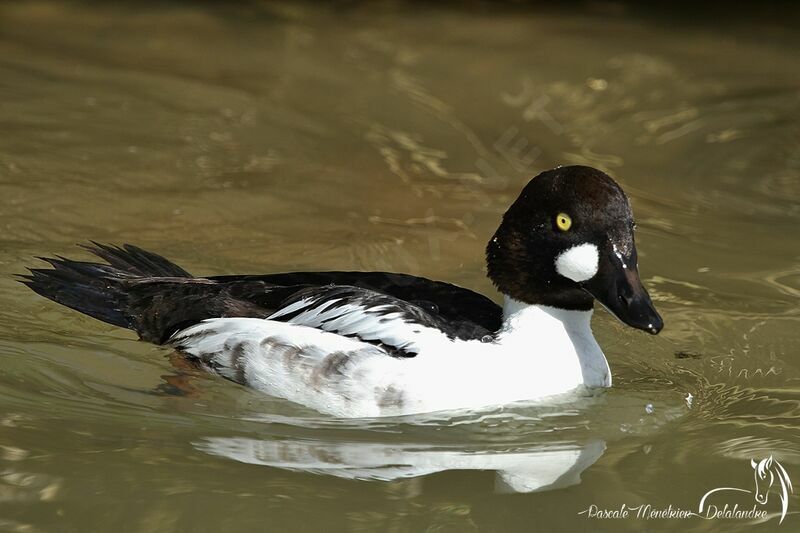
540, 352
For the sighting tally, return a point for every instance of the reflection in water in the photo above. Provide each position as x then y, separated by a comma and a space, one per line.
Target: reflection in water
534, 470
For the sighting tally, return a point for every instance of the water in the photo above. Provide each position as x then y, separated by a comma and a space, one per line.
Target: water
272, 137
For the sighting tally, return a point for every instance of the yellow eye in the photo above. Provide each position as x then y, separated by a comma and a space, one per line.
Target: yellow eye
563, 221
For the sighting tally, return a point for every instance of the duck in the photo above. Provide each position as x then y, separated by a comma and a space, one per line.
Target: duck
374, 344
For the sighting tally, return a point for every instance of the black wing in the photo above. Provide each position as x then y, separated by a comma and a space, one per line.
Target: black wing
145, 292
448, 301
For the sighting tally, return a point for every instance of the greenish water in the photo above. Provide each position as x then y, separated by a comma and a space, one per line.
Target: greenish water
257, 138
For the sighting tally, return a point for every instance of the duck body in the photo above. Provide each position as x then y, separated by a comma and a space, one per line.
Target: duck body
364, 344
539, 352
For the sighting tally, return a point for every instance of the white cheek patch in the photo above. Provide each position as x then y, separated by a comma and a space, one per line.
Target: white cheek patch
579, 263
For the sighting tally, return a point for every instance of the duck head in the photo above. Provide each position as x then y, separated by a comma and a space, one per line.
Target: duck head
568, 240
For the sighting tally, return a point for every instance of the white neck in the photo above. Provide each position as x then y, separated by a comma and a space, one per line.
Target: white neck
518, 314
562, 338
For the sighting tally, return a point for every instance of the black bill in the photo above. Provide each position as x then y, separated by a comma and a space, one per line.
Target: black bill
619, 289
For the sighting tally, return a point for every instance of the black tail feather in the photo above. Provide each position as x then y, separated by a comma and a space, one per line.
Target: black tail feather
96, 289
75, 285
133, 260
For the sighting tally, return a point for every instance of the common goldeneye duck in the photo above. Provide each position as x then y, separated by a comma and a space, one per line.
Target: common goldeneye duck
363, 344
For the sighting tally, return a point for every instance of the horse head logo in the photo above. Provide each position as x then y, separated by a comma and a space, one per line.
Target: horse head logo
765, 472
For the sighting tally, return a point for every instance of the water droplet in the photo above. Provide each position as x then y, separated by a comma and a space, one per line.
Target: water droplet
597, 84
649, 409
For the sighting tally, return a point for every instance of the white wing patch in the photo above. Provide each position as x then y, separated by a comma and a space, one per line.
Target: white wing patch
376, 323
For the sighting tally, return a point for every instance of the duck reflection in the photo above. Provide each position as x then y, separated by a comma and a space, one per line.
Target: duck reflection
549, 467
